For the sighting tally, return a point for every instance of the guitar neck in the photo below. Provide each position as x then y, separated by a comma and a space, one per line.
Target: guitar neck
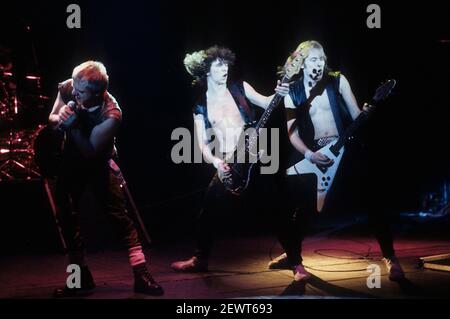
266, 116
272, 106
380, 94
356, 124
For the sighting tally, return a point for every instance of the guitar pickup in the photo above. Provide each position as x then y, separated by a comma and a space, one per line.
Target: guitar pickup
323, 169
335, 149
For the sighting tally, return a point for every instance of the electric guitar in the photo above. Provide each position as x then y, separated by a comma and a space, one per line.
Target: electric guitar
246, 154
335, 149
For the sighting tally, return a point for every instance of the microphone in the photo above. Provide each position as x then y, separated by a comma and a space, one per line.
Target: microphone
64, 126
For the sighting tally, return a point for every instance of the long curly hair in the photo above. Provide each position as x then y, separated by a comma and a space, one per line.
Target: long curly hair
198, 63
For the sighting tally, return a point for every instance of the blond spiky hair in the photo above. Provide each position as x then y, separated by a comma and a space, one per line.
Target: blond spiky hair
94, 73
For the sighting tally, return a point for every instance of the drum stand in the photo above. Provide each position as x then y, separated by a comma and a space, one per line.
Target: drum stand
439, 262
12, 168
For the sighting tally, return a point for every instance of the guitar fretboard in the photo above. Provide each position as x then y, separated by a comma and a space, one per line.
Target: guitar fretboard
265, 117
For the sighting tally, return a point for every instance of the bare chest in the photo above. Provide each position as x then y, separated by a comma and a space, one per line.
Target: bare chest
224, 113
322, 116
320, 105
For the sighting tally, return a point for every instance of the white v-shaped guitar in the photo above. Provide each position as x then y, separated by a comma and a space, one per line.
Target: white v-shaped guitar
335, 150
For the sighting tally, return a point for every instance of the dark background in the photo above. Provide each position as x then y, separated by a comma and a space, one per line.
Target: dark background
143, 43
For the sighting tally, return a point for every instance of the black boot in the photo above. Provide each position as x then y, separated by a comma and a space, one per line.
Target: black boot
144, 282
87, 284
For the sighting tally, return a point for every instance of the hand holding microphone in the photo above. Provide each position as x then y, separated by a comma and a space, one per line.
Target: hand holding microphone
67, 116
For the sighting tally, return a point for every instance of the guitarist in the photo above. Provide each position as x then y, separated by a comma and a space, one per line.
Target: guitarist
88, 147
319, 108
225, 108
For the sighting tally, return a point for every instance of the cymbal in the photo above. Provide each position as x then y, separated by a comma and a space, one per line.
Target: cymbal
37, 96
32, 77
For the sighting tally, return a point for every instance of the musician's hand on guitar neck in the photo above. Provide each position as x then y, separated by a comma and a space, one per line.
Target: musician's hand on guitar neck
282, 88
366, 107
321, 160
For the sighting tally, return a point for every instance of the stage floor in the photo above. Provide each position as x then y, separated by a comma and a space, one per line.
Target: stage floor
238, 269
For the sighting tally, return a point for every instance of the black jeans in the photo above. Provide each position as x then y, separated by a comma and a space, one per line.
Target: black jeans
302, 193
72, 183
217, 196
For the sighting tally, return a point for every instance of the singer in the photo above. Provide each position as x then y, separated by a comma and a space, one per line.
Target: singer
90, 117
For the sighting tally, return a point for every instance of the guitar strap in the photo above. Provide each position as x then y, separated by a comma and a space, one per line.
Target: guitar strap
317, 90
237, 93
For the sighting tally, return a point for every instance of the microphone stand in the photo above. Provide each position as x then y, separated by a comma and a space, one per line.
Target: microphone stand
124, 186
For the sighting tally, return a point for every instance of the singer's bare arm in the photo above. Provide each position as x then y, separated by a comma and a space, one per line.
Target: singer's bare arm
101, 137
59, 113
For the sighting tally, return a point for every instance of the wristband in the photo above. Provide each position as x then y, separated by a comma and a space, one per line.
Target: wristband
216, 162
308, 155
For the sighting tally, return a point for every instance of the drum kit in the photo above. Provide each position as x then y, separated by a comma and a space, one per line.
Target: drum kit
17, 134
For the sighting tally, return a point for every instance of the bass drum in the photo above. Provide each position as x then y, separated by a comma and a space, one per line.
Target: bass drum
48, 147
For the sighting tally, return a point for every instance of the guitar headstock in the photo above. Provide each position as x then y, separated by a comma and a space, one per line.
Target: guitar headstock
293, 65
384, 90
